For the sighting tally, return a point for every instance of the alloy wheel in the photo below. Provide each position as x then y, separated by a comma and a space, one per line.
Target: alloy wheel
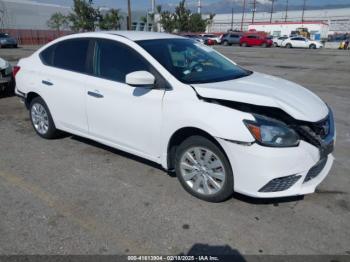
202, 170
40, 118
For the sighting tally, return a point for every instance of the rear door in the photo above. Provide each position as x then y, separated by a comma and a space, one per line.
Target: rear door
63, 80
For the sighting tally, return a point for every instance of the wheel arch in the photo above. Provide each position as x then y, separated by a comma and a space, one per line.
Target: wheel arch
29, 98
181, 135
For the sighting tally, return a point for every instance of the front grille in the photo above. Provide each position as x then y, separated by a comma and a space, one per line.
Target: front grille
316, 133
280, 184
315, 170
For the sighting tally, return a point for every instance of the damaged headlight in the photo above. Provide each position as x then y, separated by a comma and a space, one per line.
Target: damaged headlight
271, 132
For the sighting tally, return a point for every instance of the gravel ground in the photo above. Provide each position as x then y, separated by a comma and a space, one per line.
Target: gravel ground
75, 196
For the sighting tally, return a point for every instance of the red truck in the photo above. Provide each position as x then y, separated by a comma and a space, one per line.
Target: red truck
255, 39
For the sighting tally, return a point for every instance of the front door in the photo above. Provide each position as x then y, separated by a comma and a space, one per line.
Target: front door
127, 116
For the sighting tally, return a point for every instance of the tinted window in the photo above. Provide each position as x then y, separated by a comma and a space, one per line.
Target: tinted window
114, 61
192, 62
71, 55
47, 55
235, 36
252, 36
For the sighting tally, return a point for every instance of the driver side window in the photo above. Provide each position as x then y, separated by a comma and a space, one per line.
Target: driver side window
113, 61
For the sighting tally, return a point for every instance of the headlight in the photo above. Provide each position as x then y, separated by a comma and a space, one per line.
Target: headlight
271, 132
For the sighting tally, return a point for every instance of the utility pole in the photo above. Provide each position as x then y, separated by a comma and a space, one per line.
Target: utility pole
286, 16
254, 10
129, 16
272, 5
243, 12
232, 19
199, 7
302, 15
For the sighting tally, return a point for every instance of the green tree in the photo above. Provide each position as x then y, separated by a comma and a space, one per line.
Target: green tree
167, 21
196, 23
58, 21
111, 20
182, 17
158, 9
183, 20
84, 16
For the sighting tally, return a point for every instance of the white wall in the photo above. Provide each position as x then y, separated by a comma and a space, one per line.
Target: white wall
338, 19
286, 29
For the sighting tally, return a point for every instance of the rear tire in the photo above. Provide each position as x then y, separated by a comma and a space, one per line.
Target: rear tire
289, 46
203, 169
41, 119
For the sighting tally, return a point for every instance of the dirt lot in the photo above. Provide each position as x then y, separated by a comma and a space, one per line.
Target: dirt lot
74, 196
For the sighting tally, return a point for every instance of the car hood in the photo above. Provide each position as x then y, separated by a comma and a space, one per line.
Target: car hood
265, 90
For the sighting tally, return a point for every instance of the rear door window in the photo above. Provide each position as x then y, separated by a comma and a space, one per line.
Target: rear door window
72, 55
69, 54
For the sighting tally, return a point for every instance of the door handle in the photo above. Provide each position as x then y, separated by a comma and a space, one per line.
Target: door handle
94, 94
48, 83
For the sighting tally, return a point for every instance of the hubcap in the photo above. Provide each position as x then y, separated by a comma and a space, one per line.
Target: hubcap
40, 118
202, 170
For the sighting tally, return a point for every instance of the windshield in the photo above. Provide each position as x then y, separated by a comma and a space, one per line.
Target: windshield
192, 62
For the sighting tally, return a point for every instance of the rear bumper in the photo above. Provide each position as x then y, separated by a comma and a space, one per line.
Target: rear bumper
258, 169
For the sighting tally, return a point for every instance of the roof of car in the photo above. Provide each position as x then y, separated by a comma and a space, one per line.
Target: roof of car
139, 35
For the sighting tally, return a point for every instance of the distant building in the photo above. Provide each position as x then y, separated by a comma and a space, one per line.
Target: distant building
318, 29
24, 14
338, 20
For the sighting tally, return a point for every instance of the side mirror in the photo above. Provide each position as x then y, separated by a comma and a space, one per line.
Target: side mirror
140, 78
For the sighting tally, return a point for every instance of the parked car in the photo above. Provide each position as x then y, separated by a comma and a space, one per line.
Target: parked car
6, 81
301, 42
277, 41
255, 40
230, 39
163, 97
195, 37
7, 41
211, 38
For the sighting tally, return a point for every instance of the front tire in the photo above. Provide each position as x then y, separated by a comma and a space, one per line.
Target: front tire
289, 46
312, 46
41, 119
203, 169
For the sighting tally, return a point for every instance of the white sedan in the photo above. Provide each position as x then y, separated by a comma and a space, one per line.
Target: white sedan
183, 105
301, 42
277, 41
